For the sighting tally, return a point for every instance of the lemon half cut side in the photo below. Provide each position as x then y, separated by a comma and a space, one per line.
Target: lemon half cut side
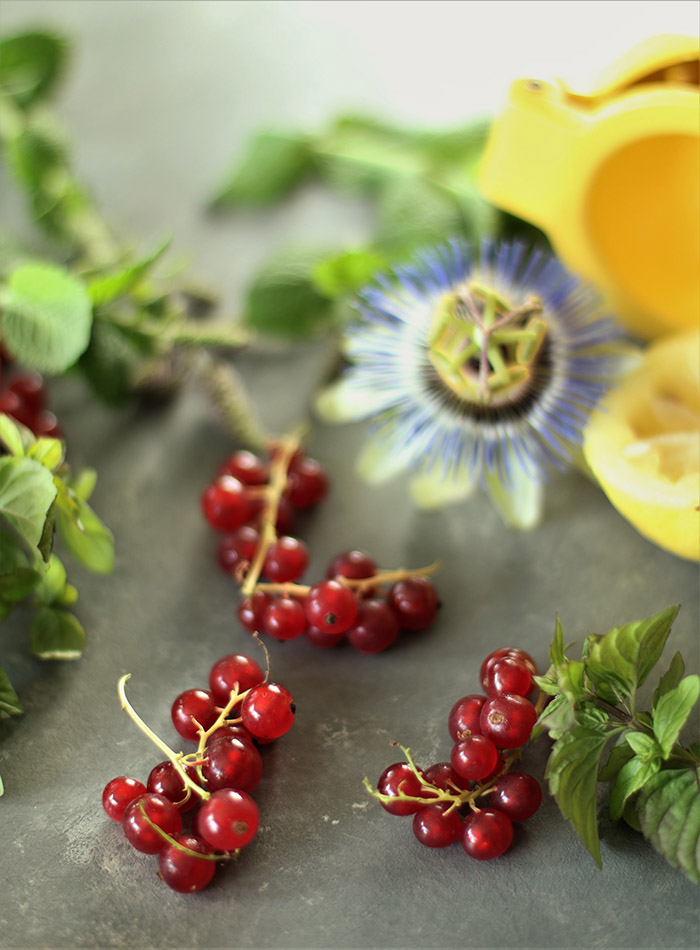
643, 445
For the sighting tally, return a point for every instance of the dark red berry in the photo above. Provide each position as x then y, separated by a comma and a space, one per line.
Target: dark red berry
228, 820
284, 619
236, 549
415, 601
436, 826
164, 779
232, 763
487, 834
321, 639
230, 731
443, 776
247, 468
29, 387
507, 720
235, 670
509, 675
285, 516
307, 483
228, 504
331, 606
194, 706
463, 719
517, 794
119, 793
251, 610
356, 565
375, 627
499, 655
142, 814
286, 560
268, 711
183, 871
474, 757
400, 779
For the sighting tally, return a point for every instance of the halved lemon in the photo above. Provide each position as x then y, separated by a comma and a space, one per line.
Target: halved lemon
643, 445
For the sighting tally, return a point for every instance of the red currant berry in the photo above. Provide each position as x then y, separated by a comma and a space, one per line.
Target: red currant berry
509, 675
47, 424
119, 793
247, 468
285, 516
507, 720
268, 711
29, 388
307, 483
145, 811
463, 719
286, 560
415, 602
165, 780
227, 504
436, 826
284, 619
251, 610
375, 627
517, 794
232, 763
487, 834
233, 671
499, 655
357, 565
331, 606
443, 776
183, 871
230, 731
400, 779
321, 639
474, 757
193, 704
237, 548
228, 820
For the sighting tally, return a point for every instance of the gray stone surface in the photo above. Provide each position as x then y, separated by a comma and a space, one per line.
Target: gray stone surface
160, 97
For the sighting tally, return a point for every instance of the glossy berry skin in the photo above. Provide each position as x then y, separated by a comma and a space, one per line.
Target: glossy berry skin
165, 780
486, 834
233, 670
228, 820
396, 779
375, 627
183, 872
499, 655
331, 607
463, 719
137, 828
507, 720
435, 827
232, 763
119, 793
238, 548
268, 711
509, 675
285, 516
323, 640
443, 776
284, 619
474, 757
193, 704
247, 468
227, 504
251, 610
517, 794
286, 560
230, 731
415, 602
307, 483
356, 565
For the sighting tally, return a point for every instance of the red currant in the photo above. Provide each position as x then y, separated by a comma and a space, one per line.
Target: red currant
356, 565
228, 820
307, 483
237, 548
375, 627
268, 711
415, 602
507, 720
227, 504
443, 776
233, 671
247, 468
487, 834
284, 619
286, 560
321, 639
165, 780
232, 763
193, 707
251, 610
142, 814
463, 719
499, 655
183, 871
436, 826
230, 731
119, 793
474, 757
509, 675
331, 606
400, 779
517, 794
29, 387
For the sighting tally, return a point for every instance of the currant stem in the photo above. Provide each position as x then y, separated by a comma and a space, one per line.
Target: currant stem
218, 856
173, 756
204, 734
356, 584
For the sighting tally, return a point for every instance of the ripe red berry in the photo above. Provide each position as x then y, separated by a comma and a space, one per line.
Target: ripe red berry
194, 706
509, 675
400, 779
436, 826
284, 619
228, 731
487, 834
268, 711
247, 468
232, 763
227, 504
307, 483
331, 606
233, 670
237, 548
357, 565
443, 776
321, 639
463, 719
183, 871
145, 811
474, 757
415, 602
228, 820
251, 610
499, 655
164, 779
286, 560
375, 627
118, 793
507, 720
517, 794
29, 387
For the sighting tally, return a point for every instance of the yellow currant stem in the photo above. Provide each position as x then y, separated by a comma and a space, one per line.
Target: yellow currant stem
173, 756
356, 584
204, 734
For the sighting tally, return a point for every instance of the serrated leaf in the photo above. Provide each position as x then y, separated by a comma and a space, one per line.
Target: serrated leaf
9, 700
348, 272
85, 535
11, 436
56, 635
557, 718
631, 777
669, 812
18, 584
31, 64
105, 289
670, 679
48, 451
572, 773
283, 301
672, 711
619, 755
27, 491
620, 661
47, 316
273, 165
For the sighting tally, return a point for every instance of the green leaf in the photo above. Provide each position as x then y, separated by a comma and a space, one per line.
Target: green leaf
110, 362
46, 540
672, 712
646, 747
348, 272
620, 661
56, 635
18, 584
31, 64
83, 484
669, 812
26, 492
413, 213
9, 700
557, 718
572, 773
632, 776
12, 554
104, 290
53, 582
670, 679
11, 435
619, 756
48, 451
283, 301
272, 167
47, 317
36, 154
85, 535
557, 653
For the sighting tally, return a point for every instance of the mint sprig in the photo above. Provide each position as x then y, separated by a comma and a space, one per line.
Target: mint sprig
600, 735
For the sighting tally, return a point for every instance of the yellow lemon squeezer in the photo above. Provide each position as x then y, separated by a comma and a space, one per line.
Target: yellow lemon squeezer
611, 174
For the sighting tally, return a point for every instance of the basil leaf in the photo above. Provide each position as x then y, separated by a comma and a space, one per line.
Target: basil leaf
18, 584
272, 167
619, 756
103, 290
669, 812
46, 317
672, 712
9, 700
53, 582
26, 492
56, 635
31, 64
631, 777
646, 747
670, 679
283, 300
86, 536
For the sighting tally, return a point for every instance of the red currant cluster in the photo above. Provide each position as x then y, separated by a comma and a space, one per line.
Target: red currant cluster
488, 732
254, 502
213, 784
23, 396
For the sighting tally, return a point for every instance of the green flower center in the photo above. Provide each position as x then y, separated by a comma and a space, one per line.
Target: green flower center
483, 349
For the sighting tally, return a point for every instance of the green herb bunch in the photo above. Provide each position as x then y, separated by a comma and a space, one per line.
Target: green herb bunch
601, 735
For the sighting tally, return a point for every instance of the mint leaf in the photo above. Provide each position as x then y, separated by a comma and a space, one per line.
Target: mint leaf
631, 777
46, 317
272, 167
620, 661
9, 700
56, 635
669, 812
103, 290
31, 64
85, 535
283, 301
572, 773
26, 492
670, 679
672, 712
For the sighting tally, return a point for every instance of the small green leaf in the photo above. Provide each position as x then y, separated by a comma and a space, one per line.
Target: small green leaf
9, 700
646, 747
672, 712
670, 679
48, 451
631, 777
35, 154
619, 755
46, 540
26, 492
669, 812
273, 166
557, 718
283, 301
348, 272
84, 483
85, 535
557, 654
47, 316
31, 64
11, 435
53, 582
110, 362
19, 584
56, 635
103, 290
